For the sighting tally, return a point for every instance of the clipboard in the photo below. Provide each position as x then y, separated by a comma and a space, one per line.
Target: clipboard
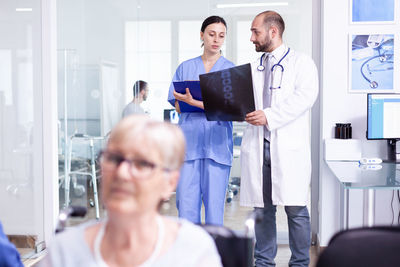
228, 94
195, 91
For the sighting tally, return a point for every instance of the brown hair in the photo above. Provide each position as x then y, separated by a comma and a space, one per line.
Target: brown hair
273, 18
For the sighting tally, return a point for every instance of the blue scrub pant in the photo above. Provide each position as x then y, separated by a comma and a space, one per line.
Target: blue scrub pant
298, 222
202, 180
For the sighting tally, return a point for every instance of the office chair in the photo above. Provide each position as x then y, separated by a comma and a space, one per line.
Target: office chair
235, 249
363, 247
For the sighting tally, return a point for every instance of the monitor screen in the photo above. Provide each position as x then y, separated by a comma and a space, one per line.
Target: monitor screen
171, 115
383, 119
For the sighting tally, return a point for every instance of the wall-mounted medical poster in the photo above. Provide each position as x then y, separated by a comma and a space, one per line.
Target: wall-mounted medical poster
371, 63
372, 11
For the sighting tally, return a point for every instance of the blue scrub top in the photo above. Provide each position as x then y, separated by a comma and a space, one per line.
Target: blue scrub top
204, 139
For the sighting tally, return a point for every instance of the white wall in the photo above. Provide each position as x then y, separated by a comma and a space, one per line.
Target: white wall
337, 105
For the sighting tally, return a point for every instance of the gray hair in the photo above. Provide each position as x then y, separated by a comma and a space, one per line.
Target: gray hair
167, 138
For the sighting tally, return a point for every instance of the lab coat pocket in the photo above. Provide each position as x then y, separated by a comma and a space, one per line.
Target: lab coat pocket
291, 136
249, 140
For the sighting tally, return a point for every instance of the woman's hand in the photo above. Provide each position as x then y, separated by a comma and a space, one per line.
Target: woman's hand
187, 98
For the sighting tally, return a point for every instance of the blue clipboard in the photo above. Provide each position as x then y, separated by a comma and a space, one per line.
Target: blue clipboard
195, 90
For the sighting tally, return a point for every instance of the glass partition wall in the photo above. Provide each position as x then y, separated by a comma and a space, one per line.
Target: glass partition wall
26, 217
104, 46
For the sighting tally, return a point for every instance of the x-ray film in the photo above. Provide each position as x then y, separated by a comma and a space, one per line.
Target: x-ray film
228, 94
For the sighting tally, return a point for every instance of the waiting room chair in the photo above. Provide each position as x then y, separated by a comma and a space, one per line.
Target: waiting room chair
363, 247
235, 249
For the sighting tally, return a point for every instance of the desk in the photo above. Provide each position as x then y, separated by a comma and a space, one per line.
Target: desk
369, 178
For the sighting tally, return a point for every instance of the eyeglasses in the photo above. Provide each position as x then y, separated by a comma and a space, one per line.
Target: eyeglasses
140, 167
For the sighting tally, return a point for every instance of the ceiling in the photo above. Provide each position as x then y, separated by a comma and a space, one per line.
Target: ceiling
143, 9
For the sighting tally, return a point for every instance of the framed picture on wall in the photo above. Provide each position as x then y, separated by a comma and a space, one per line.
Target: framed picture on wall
372, 11
371, 63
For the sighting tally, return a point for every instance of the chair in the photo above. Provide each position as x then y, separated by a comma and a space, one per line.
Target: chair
363, 247
235, 250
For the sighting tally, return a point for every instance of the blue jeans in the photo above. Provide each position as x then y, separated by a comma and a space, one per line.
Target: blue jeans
298, 222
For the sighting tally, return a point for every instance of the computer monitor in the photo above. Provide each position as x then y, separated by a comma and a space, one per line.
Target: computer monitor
171, 115
383, 120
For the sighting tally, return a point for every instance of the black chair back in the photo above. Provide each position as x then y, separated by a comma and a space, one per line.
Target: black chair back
363, 247
235, 250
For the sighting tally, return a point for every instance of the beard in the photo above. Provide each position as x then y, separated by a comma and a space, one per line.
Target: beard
264, 47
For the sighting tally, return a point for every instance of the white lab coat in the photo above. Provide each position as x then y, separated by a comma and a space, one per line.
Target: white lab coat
289, 122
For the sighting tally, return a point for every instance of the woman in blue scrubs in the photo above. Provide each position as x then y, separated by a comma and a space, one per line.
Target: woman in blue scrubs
205, 172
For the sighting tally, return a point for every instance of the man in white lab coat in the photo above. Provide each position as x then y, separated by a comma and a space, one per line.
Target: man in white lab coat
275, 151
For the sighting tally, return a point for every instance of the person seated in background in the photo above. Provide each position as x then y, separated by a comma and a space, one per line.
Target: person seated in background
9, 255
140, 92
140, 169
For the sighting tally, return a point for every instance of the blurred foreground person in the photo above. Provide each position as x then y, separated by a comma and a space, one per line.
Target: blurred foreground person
140, 169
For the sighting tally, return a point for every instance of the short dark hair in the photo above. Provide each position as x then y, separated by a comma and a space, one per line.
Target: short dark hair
138, 87
273, 18
211, 20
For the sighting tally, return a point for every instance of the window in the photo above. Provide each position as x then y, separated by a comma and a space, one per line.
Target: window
148, 58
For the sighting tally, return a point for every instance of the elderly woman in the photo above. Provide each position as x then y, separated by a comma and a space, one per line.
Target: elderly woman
140, 169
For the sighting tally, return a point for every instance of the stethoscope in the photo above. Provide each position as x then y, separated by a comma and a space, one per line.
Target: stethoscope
277, 65
262, 68
382, 58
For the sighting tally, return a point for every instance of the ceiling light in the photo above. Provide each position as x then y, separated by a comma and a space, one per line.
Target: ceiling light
252, 4
23, 9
